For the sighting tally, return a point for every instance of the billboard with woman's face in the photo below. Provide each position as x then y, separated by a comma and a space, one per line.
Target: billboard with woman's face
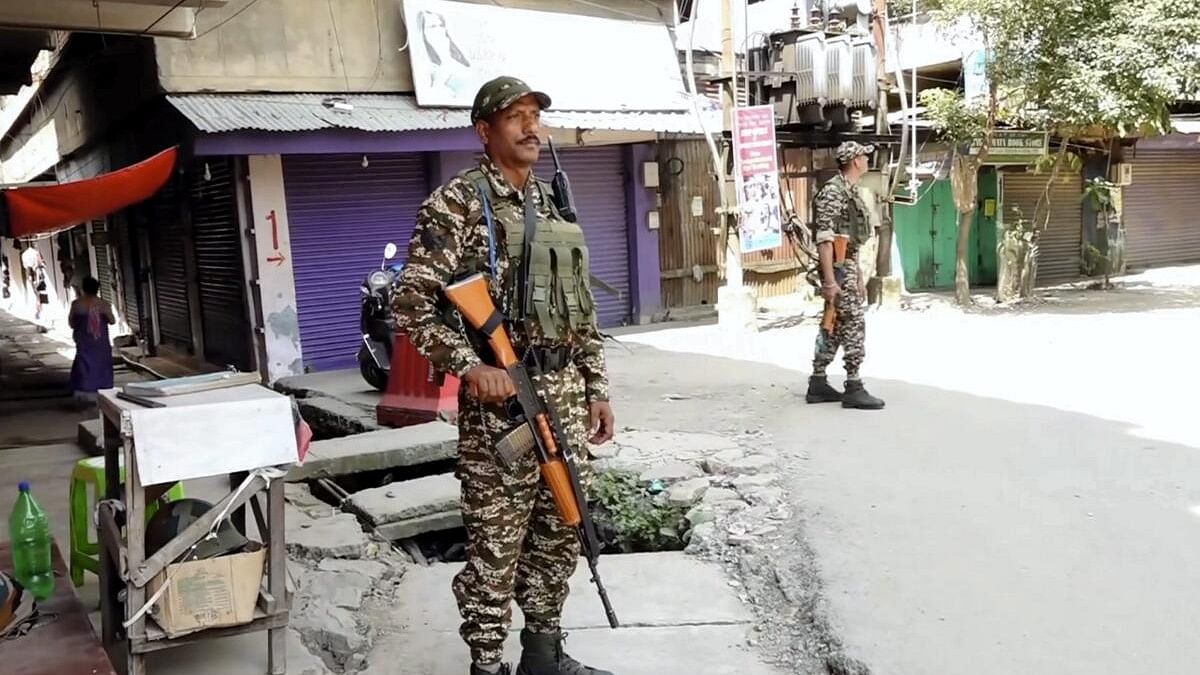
584, 63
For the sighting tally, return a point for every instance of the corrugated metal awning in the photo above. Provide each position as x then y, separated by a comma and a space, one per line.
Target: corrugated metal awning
218, 113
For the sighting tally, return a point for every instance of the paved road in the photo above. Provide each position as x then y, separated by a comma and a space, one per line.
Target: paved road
1028, 503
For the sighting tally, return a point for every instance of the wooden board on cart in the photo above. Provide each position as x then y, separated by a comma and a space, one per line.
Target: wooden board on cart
65, 646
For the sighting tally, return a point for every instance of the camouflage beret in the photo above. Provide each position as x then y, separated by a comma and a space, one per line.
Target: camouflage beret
848, 150
496, 95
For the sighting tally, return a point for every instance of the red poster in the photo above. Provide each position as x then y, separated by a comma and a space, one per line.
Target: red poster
757, 178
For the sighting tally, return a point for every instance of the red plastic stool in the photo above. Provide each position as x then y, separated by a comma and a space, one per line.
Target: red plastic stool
416, 393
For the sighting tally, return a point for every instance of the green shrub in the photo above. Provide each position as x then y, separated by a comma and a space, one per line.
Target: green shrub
630, 519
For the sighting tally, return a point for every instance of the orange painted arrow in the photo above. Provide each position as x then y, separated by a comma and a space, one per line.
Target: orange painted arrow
277, 259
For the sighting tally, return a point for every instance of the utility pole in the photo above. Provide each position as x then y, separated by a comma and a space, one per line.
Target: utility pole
735, 302
883, 259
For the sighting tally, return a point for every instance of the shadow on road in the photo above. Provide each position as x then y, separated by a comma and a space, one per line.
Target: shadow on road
958, 533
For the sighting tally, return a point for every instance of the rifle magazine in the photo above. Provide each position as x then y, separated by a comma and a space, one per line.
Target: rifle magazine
515, 444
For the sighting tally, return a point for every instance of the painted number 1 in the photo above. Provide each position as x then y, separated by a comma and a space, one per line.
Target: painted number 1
274, 229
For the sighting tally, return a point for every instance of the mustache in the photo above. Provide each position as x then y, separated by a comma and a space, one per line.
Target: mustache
533, 138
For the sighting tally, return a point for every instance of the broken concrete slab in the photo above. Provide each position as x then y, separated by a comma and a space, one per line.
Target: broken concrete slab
669, 444
679, 615
708, 649
434, 522
333, 418
407, 499
372, 570
302, 499
647, 589
331, 629
751, 465
688, 492
237, 655
346, 590
376, 450
719, 462
672, 472
339, 536
743, 483
718, 495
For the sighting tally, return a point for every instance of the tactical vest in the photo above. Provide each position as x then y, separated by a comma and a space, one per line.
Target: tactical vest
858, 222
557, 299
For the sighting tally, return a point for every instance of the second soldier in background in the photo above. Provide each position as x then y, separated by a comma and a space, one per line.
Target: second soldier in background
839, 211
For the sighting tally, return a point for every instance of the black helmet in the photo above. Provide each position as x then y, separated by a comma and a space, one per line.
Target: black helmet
175, 517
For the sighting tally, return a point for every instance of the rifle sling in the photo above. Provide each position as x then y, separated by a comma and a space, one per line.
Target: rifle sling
530, 231
494, 321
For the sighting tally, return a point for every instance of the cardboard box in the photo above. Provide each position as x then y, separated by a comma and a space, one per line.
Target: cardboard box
204, 594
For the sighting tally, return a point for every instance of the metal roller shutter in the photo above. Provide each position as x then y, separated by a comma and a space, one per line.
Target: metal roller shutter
121, 236
1162, 208
217, 241
102, 254
598, 183
340, 216
168, 242
1059, 251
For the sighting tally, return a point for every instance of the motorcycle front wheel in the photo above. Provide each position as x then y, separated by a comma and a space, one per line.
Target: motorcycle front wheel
373, 374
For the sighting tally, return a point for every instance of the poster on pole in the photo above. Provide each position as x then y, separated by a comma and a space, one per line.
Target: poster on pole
757, 170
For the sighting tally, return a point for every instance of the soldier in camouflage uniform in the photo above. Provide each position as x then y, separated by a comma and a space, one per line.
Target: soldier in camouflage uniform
839, 210
517, 546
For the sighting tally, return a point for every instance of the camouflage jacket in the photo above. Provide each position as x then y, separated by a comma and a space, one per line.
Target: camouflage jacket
832, 213
451, 235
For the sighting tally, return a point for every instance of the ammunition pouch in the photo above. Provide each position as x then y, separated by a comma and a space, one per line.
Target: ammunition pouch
556, 286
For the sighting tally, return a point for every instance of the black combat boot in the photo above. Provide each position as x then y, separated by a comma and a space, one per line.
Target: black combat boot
544, 655
820, 391
504, 670
858, 398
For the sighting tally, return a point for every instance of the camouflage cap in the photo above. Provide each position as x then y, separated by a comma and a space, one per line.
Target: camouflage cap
501, 92
848, 150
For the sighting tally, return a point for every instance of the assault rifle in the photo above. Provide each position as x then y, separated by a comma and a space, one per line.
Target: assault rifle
829, 318
541, 427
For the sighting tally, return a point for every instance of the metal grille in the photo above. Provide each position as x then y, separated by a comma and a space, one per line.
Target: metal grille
340, 216
168, 242
839, 65
1059, 251
866, 84
807, 59
1162, 208
217, 241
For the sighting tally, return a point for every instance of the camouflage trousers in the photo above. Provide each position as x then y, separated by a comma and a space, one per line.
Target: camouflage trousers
849, 330
517, 546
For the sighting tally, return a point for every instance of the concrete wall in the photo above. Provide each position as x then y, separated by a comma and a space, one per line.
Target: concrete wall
84, 99
292, 45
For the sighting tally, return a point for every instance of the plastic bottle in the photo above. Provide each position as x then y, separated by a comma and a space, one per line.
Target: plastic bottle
29, 532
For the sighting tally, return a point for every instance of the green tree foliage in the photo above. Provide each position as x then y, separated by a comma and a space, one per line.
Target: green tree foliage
1079, 69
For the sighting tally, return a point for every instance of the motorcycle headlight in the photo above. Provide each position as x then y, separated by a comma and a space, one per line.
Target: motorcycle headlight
378, 279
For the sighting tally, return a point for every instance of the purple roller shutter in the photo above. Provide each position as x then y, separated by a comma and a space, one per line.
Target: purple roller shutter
598, 182
341, 215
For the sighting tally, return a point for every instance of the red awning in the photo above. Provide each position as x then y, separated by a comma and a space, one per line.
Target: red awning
45, 209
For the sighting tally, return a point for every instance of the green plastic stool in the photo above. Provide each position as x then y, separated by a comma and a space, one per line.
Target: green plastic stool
85, 553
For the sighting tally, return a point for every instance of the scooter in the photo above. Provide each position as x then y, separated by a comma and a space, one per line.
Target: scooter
375, 320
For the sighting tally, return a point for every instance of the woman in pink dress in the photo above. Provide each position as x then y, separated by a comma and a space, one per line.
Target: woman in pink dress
90, 318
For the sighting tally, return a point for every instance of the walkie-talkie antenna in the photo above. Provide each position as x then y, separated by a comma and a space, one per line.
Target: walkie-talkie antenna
564, 201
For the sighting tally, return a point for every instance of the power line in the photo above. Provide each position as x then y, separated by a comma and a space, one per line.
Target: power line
156, 21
